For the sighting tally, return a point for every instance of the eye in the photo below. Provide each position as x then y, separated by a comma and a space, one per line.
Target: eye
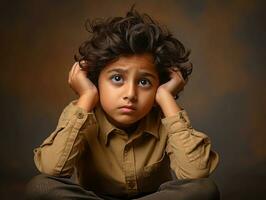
145, 83
117, 78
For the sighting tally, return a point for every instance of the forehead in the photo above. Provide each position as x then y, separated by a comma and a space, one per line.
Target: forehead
142, 62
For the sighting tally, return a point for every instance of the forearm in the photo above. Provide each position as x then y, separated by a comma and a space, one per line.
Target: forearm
57, 157
58, 153
190, 155
189, 150
87, 102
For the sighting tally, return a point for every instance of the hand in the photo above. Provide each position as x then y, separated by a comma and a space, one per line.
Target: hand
173, 86
79, 82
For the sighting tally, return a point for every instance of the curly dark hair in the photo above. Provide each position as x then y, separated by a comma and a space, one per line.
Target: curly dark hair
133, 34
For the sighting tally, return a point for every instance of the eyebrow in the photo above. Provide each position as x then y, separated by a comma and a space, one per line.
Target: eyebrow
120, 70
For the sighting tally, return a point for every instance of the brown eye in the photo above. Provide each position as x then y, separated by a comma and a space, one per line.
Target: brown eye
117, 79
145, 83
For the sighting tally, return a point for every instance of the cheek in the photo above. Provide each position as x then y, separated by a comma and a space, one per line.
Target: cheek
107, 95
148, 98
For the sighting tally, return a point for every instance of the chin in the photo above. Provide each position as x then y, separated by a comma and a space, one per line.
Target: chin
126, 122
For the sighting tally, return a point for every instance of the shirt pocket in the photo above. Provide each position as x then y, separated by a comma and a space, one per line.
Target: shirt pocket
154, 167
155, 174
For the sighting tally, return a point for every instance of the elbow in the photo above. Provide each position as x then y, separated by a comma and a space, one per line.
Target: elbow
196, 170
193, 173
199, 173
46, 166
50, 165
202, 168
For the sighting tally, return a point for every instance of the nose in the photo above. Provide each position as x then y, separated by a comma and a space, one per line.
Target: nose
130, 92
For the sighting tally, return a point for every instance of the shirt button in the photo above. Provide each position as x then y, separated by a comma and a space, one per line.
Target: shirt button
131, 184
80, 115
127, 149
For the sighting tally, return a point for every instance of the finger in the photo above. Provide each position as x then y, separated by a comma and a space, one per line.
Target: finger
181, 81
177, 71
177, 75
70, 74
181, 77
75, 70
173, 72
78, 71
84, 65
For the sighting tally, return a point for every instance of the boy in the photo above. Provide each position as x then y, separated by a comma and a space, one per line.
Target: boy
126, 137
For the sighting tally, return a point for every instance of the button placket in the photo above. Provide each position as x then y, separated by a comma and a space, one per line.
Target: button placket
129, 167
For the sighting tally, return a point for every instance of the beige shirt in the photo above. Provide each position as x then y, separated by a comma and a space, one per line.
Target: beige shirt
109, 161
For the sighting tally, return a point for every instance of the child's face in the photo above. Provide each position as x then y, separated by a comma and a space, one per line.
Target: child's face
127, 89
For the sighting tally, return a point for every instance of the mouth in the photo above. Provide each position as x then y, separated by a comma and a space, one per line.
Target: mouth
127, 109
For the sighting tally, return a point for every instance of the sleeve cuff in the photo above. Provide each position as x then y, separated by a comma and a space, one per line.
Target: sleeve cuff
177, 122
72, 110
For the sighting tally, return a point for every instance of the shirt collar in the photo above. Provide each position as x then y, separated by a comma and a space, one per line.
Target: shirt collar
149, 124
105, 127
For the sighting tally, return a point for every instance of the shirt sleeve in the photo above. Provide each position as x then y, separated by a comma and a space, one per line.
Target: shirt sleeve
57, 154
189, 150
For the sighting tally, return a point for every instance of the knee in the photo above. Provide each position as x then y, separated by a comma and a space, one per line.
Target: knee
208, 188
39, 187
200, 189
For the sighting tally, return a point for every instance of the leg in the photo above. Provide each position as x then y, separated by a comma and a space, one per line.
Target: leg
49, 187
190, 189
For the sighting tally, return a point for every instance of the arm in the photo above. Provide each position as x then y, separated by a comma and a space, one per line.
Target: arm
189, 150
58, 153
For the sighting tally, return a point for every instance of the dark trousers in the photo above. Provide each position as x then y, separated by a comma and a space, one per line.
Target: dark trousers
49, 187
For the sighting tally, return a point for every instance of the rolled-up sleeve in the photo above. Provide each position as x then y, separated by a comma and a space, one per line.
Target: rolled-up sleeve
189, 150
58, 153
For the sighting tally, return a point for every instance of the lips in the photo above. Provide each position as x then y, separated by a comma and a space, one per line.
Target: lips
127, 108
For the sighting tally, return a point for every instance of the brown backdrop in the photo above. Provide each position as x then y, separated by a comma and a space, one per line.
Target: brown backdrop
225, 96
